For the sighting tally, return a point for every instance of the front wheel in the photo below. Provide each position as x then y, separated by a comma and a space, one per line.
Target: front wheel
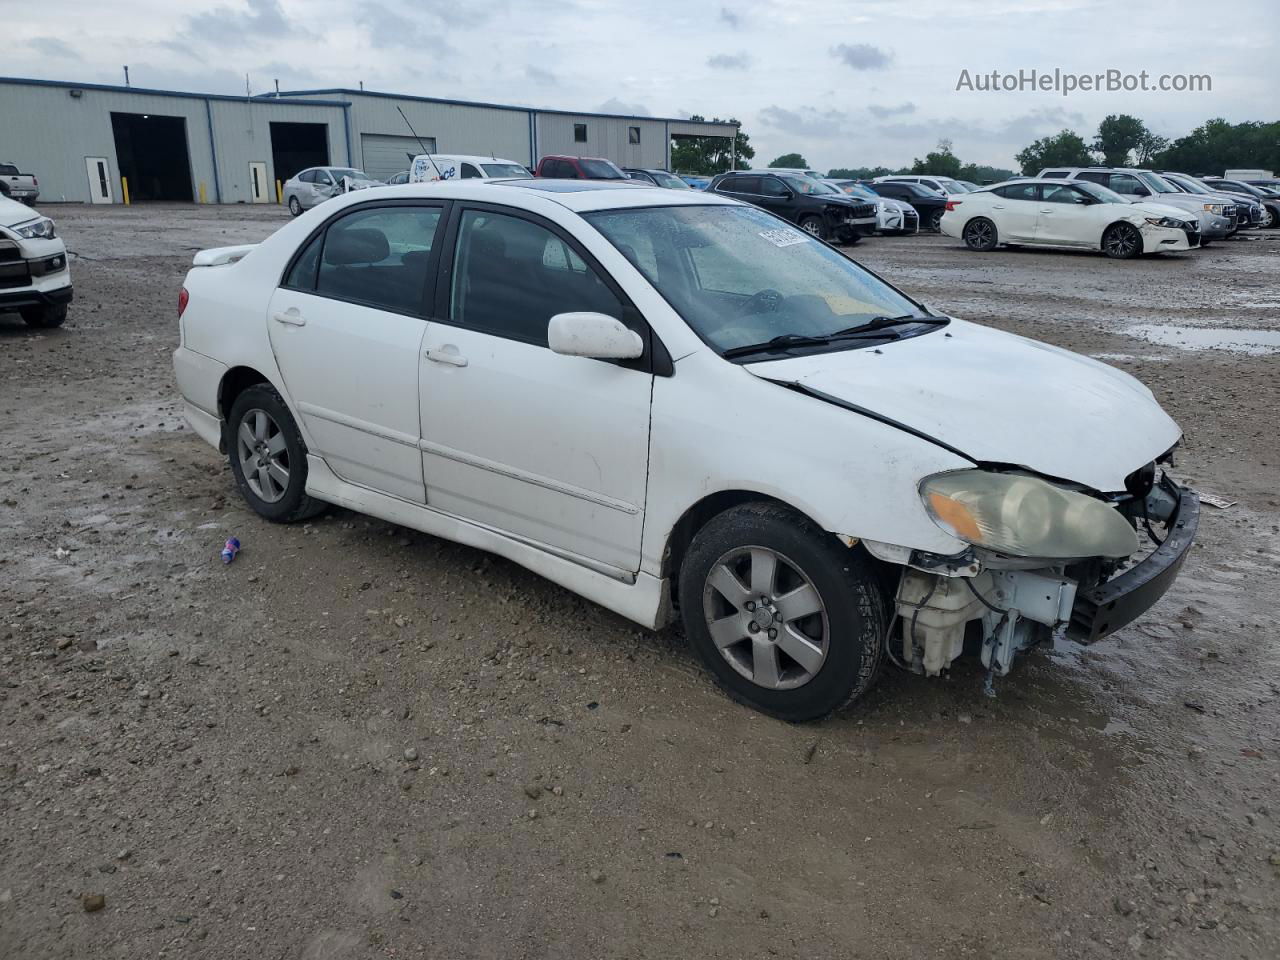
980, 234
814, 227
295, 207
45, 317
1269, 218
1122, 241
785, 617
934, 223
268, 457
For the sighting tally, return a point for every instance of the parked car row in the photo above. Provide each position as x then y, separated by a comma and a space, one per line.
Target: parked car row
1122, 211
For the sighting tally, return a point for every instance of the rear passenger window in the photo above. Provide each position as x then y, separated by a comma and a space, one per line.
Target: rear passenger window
1018, 191
469, 172
511, 276
1101, 179
379, 257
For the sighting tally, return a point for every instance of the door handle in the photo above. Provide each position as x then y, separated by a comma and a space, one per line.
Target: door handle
290, 317
1046, 209
447, 355
997, 206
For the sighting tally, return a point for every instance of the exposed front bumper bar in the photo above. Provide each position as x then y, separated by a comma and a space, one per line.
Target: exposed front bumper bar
29, 297
1106, 608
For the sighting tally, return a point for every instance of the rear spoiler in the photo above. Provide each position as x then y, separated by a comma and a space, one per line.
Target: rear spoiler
217, 256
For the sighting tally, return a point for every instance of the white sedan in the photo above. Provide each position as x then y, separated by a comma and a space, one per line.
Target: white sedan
1066, 213
675, 404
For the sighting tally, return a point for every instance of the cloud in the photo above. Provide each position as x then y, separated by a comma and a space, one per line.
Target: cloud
538, 75
614, 105
51, 47
728, 16
861, 56
883, 112
805, 122
388, 29
1019, 130
225, 26
729, 61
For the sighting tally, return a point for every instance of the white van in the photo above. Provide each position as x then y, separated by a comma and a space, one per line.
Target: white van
454, 166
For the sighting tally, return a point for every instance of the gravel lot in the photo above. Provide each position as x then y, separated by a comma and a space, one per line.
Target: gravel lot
359, 741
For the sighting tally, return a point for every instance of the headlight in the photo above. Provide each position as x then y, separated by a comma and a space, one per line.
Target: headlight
1165, 222
1218, 208
1025, 516
41, 229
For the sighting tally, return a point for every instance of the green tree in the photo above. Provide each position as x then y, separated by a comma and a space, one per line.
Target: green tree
1217, 145
790, 160
941, 162
861, 173
710, 155
981, 173
1118, 136
1064, 149
1148, 147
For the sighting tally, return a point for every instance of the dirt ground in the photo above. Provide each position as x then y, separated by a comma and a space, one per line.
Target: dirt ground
358, 741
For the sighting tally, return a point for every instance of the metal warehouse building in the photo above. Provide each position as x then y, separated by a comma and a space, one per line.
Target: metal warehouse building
81, 139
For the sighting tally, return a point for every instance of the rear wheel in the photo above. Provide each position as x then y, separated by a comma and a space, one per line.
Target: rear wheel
294, 206
1122, 241
45, 317
980, 234
268, 457
814, 226
784, 616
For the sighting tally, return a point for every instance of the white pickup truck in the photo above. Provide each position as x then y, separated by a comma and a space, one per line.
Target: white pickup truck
18, 186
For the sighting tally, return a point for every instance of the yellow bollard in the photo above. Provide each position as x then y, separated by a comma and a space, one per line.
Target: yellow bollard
279, 193
124, 187
202, 196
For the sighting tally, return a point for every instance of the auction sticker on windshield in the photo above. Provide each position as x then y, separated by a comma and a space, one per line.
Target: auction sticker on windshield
784, 238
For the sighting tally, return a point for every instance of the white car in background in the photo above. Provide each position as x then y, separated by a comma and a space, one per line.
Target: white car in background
35, 280
313, 186
427, 167
892, 216
1067, 213
675, 404
1140, 185
944, 185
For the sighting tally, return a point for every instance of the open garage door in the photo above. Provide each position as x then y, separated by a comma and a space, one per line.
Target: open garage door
296, 146
151, 153
385, 156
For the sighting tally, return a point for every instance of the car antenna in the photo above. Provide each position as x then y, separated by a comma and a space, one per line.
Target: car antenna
420, 143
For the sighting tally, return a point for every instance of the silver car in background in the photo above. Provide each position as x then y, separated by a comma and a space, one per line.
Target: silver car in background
893, 217
314, 185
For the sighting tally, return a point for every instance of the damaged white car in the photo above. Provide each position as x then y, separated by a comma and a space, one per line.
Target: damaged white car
675, 404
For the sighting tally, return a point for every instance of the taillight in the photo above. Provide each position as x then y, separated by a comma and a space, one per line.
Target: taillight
35, 182
183, 297
952, 204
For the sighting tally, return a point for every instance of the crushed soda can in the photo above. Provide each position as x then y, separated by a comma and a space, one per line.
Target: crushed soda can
230, 550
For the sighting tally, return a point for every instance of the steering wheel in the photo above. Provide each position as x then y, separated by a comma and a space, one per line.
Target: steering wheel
762, 301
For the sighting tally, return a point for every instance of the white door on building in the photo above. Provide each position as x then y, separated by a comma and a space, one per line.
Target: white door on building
258, 190
99, 180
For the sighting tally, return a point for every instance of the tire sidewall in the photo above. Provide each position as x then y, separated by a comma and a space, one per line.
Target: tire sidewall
295, 206
854, 607
994, 234
294, 502
935, 221
46, 318
820, 232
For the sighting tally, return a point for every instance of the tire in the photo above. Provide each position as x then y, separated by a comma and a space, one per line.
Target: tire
1122, 241
980, 234
851, 240
45, 317
1270, 219
814, 226
934, 223
295, 207
839, 635
278, 500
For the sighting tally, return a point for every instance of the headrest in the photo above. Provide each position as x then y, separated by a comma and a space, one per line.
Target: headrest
355, 245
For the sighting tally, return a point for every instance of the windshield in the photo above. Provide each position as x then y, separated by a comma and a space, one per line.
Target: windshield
1188, 184
668, 181
739, 276
951, 186
806, 185
509, 171
855, 189
601, 170
1098, 191
1155, 183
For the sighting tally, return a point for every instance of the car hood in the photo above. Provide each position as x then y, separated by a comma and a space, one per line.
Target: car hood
1161, 209
996, 398
1183, 201
12, 213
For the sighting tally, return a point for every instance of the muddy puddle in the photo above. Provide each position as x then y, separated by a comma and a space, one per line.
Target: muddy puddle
1254, 343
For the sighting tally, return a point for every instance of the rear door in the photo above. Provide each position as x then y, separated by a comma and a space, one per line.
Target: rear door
346, 327
547, 448
1015, 210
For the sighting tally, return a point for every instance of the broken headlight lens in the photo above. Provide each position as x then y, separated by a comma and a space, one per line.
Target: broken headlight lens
1165, 222
41, 229
1025, 517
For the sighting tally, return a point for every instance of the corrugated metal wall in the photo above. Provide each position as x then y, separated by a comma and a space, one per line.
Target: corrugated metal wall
606, 137
242, 134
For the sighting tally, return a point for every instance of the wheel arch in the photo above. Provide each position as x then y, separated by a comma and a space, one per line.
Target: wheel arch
1115, 223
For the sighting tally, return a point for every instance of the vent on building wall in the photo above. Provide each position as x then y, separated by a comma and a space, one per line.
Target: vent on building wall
75, 94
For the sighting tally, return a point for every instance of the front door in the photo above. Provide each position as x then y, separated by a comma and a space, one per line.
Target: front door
1065, 217
99, 180
346, 328
259, 192
547, 448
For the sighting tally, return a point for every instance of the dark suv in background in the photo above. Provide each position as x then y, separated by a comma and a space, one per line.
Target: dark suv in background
930, 204
1270, 204
579, 168
814, 207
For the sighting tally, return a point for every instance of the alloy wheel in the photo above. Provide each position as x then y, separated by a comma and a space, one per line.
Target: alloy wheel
812, 227
264, 455
766, 618
1121, 242
980, 235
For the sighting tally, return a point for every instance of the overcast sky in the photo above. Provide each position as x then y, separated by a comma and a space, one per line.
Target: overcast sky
844, 83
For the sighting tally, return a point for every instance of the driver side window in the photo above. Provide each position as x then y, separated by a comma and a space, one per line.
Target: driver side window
772, 187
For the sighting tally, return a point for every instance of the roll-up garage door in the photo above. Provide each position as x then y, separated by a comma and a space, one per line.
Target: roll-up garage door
385, 156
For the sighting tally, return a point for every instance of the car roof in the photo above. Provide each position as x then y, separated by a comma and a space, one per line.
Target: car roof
474, 158
580, 196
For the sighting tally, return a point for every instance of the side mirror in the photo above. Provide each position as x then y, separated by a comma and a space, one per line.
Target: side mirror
594, 335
